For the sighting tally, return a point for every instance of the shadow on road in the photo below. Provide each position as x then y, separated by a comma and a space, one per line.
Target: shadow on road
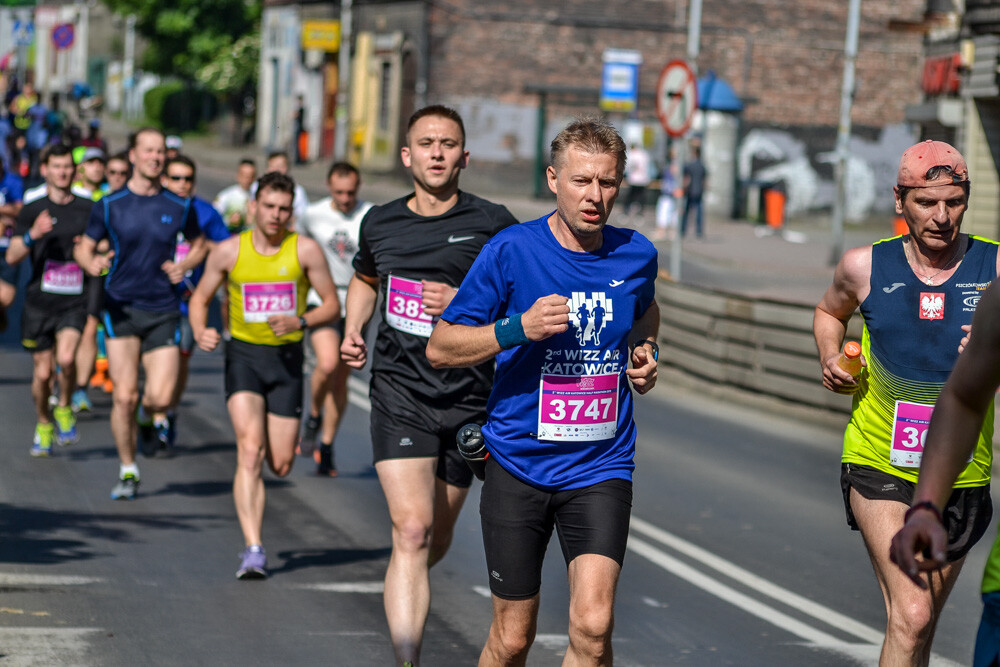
297, 560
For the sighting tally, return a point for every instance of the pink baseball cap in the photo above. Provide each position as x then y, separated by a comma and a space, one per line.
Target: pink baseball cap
920, 158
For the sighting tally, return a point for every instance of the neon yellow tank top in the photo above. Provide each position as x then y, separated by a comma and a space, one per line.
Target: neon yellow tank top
264, 285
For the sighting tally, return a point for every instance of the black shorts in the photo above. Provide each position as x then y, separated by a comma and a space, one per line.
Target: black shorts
337, 325
401, 430
518, 519
95, 295
39, 326
967, 515
185, 341
272, 371
153, 329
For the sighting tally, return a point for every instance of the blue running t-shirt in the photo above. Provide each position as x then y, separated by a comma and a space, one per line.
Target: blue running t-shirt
143, 233
560, 413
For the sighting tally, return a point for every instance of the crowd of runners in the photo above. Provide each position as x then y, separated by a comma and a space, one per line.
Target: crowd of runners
542, 333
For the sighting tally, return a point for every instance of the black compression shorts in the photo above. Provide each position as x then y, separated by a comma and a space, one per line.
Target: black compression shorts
518, 518
967, 514
272, 371
95, 295
154, 329
39, 326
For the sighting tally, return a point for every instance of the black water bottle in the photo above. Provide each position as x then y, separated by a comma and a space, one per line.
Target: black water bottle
472, 446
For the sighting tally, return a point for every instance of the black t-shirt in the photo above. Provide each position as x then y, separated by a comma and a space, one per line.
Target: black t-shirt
396, 242
56, 280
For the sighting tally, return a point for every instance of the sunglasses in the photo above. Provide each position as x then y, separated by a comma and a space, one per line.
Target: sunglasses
187, 179
113, 172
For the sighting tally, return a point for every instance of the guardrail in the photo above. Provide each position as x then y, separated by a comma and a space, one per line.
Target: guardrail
760, 345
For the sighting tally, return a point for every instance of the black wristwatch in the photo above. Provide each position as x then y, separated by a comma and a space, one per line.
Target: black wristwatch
651, 343
302, 323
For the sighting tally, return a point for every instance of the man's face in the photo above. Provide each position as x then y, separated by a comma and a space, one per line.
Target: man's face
344, 190
117, 174
434, 153
278, 163
586, 186
179, 179
272, 210
934, 214
58, 171
148, 155
92, 172
245, 175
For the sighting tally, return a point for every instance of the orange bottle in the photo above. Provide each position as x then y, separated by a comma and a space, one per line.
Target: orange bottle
850, 359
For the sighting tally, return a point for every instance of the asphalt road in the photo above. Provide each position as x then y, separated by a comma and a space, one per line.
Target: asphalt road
738, 554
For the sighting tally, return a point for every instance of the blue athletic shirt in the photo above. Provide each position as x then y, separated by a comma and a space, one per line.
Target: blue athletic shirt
214, 230
143, 234
608, 290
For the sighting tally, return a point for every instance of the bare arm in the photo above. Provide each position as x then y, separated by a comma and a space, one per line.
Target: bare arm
849, 289
644, 367
362, 294
461, 345
196, 255
85, 254
951, 439
19, 248
220, 261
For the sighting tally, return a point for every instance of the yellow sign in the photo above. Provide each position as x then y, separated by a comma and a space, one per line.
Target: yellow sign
321, 35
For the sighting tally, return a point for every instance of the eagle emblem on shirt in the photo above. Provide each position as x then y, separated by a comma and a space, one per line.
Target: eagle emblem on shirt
931, 305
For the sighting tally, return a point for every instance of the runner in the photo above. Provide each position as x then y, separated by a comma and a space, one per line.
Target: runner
921, 545
560, 431
278, 161
414, 252
179, 178
11, 194
232, 202
269, 270
55, 307
916, 293
333, 222
141, 315
117, 171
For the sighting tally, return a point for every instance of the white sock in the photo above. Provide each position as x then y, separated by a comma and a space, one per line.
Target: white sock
131, 468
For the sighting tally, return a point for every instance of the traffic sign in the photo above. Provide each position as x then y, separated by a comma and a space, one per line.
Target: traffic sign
24, 33
62, 36
676, 97
620, 80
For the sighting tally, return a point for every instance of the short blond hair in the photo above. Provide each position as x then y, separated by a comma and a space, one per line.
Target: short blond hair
593, 135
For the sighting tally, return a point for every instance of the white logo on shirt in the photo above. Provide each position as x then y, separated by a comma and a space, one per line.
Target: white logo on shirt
616, 283
590, 316
459, 239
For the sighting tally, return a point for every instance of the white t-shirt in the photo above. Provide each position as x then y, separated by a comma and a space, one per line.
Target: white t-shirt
231, 200
337, 233
638, 169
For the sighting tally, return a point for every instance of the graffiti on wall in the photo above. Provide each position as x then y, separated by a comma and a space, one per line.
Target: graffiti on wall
768, 155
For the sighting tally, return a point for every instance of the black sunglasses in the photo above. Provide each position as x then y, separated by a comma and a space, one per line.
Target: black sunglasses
189, 179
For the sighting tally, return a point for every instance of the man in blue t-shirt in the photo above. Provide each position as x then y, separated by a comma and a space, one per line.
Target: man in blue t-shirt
141, 315
11, 193
563, 304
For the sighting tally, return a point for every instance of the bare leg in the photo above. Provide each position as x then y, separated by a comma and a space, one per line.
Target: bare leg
512, 632
123, 366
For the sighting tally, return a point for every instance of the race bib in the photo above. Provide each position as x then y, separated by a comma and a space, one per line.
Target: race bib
62, 278
181, 251
262, 300
578, 407
404, 307
909, 430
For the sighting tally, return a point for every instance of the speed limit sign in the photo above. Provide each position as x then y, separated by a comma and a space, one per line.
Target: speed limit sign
676, 98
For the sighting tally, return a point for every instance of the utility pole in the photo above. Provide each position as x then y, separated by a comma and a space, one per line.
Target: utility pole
844, 131
344, 80
693, 50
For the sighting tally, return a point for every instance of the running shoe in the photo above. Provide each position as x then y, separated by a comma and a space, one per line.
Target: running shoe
309, 435
253, 563
42, 445
65, 426
164, 436
80, 401
126, 487
145, 435
324, 464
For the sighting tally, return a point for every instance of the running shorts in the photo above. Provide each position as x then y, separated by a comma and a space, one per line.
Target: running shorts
967, 515
153, 329
186, 339
401, 430
95, 296
39, 326
518, 518
272, 371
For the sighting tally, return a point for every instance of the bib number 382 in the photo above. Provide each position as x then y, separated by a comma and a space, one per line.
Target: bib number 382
404, 307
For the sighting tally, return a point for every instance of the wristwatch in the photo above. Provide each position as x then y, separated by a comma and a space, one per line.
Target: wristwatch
647, 341
302, 323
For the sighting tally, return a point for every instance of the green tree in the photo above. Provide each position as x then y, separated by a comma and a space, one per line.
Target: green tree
232, 75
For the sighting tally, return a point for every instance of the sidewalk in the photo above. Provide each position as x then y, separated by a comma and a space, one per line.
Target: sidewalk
736, 256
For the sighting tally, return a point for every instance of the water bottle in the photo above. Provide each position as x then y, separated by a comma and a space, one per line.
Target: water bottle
472, 446
850, 359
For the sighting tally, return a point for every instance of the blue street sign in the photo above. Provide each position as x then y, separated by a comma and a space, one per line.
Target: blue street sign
620, 80
24, 33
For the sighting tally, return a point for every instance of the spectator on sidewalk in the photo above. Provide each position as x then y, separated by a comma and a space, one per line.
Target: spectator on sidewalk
695, 182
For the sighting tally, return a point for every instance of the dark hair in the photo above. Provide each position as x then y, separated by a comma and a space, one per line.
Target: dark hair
436, 110
54, 150
342, 169
277, 181
933, 174
180, 158
592, 135
248, 161
274, 154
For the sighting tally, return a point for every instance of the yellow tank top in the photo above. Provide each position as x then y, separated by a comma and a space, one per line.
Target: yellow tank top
264, 285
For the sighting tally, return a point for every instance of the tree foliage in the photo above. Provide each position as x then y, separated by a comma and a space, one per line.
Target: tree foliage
185, 36
234, 70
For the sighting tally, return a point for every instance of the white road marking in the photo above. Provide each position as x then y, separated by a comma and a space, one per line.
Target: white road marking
10, 579
357, 393
26, 647
484, 591
552, 642
347, 587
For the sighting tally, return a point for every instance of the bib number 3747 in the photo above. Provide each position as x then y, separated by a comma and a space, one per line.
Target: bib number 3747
578, 407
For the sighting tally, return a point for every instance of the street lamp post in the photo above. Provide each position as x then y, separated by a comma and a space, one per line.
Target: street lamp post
844, 130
